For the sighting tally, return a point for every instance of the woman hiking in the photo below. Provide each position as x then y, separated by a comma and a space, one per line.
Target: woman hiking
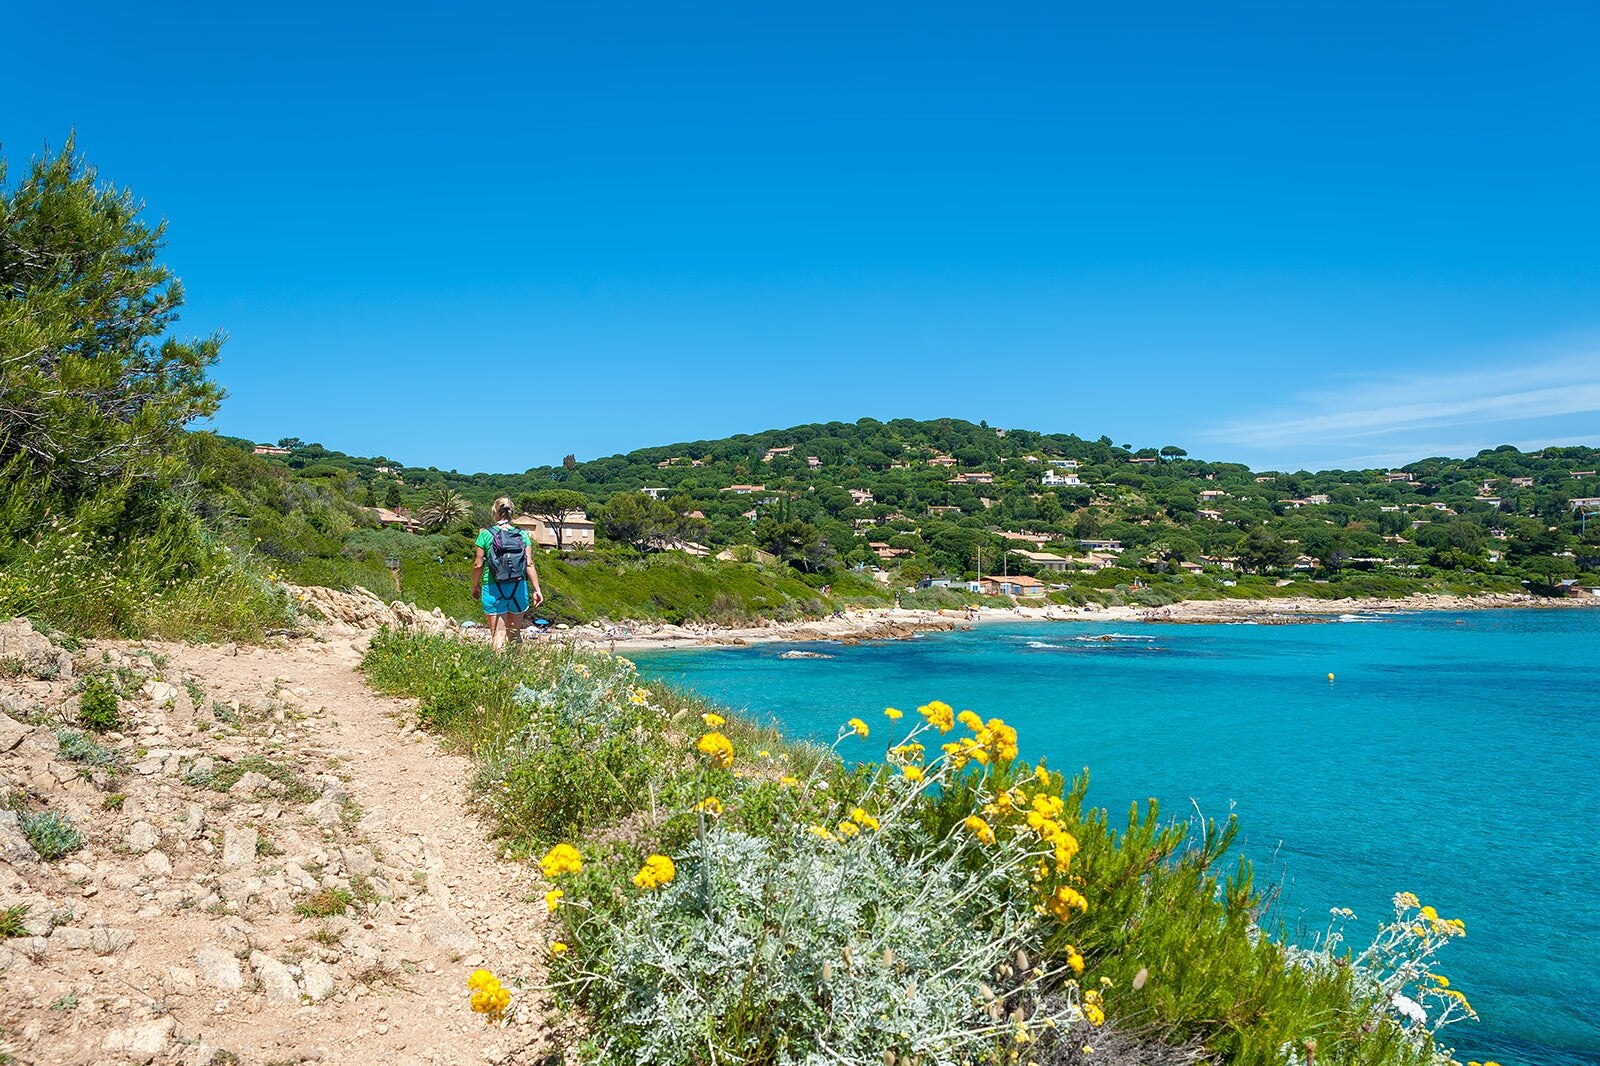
512, 584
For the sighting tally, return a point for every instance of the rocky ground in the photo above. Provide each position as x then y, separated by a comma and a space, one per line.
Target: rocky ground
276, 867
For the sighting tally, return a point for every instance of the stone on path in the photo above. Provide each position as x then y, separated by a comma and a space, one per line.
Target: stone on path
142, 1041
142, 836
219, 968
239, 847
316, 979
276, 980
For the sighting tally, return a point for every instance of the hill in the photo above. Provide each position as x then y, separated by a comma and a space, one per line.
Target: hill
915, 502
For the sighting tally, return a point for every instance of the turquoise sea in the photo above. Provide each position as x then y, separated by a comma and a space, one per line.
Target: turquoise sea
1456, 756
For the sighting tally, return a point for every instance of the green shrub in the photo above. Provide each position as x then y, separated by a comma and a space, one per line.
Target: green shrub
77, 746
325, 903
51, 835
13, 920
98, 707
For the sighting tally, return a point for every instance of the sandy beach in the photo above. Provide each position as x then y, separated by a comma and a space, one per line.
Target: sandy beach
890, 623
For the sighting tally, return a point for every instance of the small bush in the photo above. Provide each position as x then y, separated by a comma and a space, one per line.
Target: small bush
227, 775
51, 835
12, 919
77, 746
98, 708
325, 903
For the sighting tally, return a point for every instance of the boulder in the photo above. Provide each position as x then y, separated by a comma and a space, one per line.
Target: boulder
239, 847
142, 1041
276, 980
219, 968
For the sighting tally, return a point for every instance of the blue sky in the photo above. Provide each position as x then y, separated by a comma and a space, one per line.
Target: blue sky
484, 236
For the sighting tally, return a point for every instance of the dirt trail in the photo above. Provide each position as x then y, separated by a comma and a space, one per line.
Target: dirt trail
253, 782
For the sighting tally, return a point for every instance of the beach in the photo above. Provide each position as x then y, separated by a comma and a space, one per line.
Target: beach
893, 623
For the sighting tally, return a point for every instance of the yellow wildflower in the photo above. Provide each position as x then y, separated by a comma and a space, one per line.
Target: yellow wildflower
713, 721
938, 713
892, 714
970, 720
1440, 979
1094, 1008
1063, 901
1075, 960
980, 829
863, 819
912, 773
639, 697
847, 829
710, 805
558, 948
657, 870
1430, 914
561, 859
789, 781
763, 754
820, 831
1041, 775
858, 727
481, 979
552, 899
718, 748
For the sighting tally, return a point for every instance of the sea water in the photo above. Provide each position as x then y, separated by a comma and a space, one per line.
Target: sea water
1456, 756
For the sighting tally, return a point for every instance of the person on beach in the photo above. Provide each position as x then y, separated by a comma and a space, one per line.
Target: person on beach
513, 583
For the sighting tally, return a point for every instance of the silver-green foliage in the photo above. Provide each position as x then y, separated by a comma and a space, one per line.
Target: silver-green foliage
51, 835
811, 951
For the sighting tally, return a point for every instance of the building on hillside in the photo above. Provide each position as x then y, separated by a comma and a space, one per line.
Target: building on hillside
813, 462
1215, 516
576, 530
1031, 538
974, 477
937, 509
1214, 494
1063, 464
1581, 473
1265, 479
688, 547
1043, 560
1051, 479
1143, 460
1585, 503
1016, 585
655, 492
746, 553
270, 449
1221, 562
942, 460
1522, 482
400, 519
860, 497
773, 453
745, 490
1396, 475
1101, 545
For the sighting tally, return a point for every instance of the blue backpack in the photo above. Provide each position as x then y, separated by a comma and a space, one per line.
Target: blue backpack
508, 554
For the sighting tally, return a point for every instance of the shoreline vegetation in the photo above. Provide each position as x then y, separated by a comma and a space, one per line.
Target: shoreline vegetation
918, 891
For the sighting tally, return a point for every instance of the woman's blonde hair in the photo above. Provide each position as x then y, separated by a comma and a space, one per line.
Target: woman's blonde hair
503, 509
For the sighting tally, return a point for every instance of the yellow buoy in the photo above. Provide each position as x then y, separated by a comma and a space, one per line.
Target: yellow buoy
1330, 677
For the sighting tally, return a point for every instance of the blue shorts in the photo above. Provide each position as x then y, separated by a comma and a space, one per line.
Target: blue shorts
505, 597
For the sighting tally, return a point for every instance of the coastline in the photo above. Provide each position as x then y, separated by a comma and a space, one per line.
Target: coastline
895, 623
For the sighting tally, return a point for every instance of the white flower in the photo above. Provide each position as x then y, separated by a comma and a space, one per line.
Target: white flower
1409, 1008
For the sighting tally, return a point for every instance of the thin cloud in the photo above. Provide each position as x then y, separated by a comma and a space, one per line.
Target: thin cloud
1400, 418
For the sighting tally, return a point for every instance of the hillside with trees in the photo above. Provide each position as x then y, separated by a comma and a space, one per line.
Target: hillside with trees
902, 504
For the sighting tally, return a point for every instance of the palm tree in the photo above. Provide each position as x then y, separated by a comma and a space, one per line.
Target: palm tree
443, 509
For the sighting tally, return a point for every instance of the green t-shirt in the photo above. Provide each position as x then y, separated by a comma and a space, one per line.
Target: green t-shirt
486, 542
